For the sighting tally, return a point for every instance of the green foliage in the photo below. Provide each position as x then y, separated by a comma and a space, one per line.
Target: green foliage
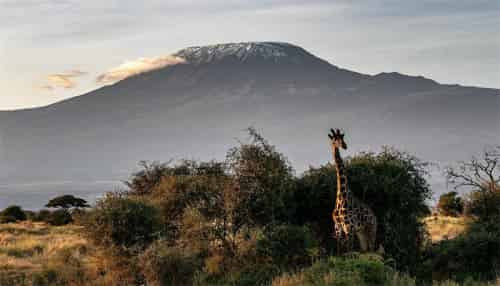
15, 212
315, 200
475, 254
358, 270
265, 180
42, 215
248, 275
392, 183
288, 246
7, 219
484, 205
450, 204
121, 222
66, 202
59, 217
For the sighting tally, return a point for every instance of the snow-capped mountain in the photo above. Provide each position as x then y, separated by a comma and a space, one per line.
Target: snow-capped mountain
271, 51
196, 110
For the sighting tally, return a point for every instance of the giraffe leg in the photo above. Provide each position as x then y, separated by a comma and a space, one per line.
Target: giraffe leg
372, 238
363, 240
339, 237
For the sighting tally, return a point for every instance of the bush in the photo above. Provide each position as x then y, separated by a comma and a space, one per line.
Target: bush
7, 219
42, 216
360, 271
475, 254
164, 265
59, 217
14, 211
484, 205
450, 204
122, 222
288, 246
265, 180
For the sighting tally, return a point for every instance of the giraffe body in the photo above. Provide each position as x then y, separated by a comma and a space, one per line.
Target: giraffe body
351, 216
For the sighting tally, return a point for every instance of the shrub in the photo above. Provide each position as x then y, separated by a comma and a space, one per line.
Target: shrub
59, 217
7, 219
265, 180
363, 270
14, 211
122, 222
484, 205
450, 204
475, 254
287, 245
30, 215
42, 216
162, 264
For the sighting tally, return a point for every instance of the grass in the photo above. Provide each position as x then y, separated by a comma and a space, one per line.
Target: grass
29, 246
30, 251
40, 254
444, 227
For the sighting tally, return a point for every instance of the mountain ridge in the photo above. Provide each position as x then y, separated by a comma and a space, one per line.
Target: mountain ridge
196, 110
198, 55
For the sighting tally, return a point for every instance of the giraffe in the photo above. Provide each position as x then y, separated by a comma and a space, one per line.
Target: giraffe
351, 216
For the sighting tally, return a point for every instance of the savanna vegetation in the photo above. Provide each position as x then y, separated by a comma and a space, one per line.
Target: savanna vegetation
250, 220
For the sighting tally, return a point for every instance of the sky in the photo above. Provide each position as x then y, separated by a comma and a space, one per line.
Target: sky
54, 49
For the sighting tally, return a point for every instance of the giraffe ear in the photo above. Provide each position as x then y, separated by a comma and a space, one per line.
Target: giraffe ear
330, 136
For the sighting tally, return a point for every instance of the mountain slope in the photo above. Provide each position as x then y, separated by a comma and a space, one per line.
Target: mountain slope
197, 109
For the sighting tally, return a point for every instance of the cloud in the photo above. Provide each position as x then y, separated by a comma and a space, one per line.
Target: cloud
138, 66
65, 80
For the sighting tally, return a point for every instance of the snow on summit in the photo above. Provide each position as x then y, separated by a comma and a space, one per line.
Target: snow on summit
274, 51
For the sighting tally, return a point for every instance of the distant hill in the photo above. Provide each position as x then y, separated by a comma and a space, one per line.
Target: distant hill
197, 109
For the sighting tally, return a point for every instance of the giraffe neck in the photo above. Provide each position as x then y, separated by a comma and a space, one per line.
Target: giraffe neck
342, 190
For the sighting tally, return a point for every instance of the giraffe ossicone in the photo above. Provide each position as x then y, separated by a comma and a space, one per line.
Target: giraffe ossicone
352, 218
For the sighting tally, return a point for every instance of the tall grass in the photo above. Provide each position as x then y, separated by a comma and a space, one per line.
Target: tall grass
38, 254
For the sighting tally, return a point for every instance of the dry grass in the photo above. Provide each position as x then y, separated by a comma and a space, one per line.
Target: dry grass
444, 227
28, 246
29, 249
43, 255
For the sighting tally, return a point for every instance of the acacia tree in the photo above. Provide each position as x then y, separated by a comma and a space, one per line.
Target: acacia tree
481, 176
67, 202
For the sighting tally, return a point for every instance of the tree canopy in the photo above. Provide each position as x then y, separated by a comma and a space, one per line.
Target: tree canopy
66, 202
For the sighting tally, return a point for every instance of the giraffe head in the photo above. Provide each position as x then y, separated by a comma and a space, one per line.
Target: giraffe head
337, 139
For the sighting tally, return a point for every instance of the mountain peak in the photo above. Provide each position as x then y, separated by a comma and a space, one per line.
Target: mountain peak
245, 51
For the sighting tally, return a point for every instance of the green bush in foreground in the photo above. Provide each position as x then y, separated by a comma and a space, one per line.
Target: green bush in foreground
288, 246
122, 222
363, 270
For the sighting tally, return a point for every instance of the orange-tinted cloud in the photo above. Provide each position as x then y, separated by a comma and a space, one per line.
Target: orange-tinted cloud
65, 80
138, 66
